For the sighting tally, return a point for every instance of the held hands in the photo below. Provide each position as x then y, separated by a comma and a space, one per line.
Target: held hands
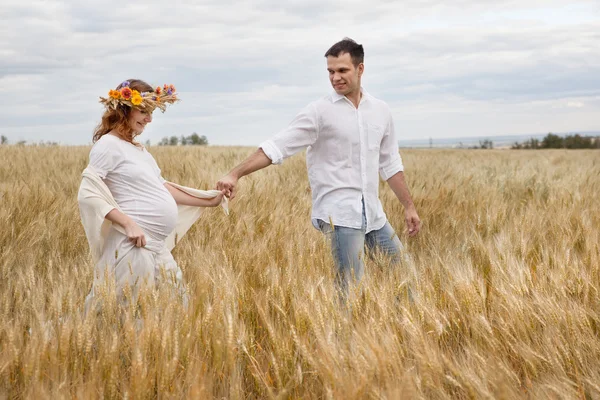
227, 185
413, 223
215, 201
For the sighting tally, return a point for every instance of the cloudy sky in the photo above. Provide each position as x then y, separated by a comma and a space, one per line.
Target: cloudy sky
244, 69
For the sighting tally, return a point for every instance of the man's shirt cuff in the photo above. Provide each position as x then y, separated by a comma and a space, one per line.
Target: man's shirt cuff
272, 151
390, 170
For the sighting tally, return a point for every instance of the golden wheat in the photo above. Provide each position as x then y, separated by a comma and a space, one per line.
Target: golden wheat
497, 299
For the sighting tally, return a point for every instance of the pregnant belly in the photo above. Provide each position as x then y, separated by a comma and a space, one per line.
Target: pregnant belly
156, 217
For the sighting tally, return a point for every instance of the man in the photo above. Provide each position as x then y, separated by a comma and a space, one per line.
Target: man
350, 139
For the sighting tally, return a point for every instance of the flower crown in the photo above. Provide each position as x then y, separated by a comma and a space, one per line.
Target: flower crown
146, 101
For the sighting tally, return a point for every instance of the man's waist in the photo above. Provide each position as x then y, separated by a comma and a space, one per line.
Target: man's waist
349, 209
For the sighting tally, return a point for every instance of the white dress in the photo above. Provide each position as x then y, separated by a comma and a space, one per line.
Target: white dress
134, 180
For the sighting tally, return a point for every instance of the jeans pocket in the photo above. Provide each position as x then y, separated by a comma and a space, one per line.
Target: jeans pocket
324, 227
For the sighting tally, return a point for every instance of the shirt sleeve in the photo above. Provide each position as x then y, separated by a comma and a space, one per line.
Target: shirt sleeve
159, 175
390, 162
103, 158
300, 133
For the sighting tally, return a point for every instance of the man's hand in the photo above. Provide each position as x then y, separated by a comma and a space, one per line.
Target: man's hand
400, 189
228, 185
413, 223
134, 233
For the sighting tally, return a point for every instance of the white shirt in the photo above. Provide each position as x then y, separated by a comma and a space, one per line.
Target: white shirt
134, 179
348, 149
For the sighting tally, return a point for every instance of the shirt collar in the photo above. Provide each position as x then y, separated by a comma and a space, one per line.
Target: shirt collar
335, 97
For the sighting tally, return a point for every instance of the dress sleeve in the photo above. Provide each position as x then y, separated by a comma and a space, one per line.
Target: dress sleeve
160, 178
155, 167
103, 158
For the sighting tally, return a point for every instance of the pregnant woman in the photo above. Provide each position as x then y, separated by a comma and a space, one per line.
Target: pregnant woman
131, 215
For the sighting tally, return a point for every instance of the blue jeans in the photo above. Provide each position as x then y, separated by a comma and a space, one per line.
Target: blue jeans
348, 248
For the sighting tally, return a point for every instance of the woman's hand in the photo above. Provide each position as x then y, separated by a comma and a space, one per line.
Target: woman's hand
134, 233
215, 201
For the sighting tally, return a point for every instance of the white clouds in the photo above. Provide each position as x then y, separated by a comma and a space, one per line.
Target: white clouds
245, 68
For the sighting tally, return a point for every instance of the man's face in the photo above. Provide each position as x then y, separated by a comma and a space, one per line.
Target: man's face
343, 75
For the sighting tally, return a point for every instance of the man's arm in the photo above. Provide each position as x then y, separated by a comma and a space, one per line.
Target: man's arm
400, 189
300, 133
258, 160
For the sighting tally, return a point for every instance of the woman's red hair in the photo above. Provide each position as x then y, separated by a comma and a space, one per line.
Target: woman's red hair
117, 120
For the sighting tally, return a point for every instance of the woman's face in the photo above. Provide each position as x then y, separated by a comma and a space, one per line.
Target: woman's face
138, 119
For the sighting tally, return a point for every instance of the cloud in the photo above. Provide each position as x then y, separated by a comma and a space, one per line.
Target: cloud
245, 68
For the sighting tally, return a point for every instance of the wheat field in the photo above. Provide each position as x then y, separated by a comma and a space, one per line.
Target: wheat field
503, 282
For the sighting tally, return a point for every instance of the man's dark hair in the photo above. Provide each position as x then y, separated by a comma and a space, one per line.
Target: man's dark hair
349, 46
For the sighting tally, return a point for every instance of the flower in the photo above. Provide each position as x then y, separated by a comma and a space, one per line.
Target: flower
126, 93
136, 99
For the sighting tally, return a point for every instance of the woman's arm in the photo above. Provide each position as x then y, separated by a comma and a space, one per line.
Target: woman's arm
185, 199
132, 230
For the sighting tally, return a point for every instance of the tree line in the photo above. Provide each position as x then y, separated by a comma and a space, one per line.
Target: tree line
553, 141
194, 140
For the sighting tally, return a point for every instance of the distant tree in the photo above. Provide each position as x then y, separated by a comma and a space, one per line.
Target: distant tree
516, 146
3, 140
578, 142
552, 141
21, 142
147, 144
193, 139
532, 144
198, 140
486, 144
